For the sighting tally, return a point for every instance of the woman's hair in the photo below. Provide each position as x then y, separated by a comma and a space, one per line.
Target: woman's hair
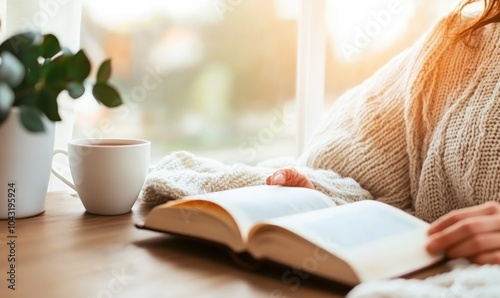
490, 14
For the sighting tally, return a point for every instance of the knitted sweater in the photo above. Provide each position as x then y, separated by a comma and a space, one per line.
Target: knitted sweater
422, 134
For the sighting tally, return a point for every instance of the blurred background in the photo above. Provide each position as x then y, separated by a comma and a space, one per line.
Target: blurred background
218, 77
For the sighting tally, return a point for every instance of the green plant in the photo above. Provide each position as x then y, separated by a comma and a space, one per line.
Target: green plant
35, 69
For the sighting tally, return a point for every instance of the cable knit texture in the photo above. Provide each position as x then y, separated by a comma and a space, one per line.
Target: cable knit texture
422, 134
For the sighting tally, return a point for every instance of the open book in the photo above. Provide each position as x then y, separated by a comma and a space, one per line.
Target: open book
302, 228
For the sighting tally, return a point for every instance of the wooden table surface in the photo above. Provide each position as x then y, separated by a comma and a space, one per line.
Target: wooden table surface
66, 252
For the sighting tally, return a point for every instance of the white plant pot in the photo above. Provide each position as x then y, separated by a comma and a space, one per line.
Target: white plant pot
25, 163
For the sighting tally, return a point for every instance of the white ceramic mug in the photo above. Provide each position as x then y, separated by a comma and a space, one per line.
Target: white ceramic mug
107, 174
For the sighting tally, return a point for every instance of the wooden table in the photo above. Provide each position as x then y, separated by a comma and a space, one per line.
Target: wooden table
66, 252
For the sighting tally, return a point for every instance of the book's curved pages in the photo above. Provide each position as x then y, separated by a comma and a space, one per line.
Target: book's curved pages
302, 228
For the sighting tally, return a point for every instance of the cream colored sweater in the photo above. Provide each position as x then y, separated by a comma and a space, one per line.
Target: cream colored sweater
423, 133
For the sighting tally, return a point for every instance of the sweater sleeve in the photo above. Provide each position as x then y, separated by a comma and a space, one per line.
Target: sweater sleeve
341, 190
363, 137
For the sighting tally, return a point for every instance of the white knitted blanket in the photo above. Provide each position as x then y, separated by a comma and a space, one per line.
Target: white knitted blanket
463, 281
182, 173
422, 134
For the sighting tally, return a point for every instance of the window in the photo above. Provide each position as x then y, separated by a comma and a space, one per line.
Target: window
218, 77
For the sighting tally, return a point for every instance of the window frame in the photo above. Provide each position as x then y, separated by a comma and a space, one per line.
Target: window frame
311, 56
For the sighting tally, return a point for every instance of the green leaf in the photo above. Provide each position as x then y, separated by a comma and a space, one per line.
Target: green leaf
3, 117
11, 70
6, 98
79, 67
57, 70
104, 72
75, 89
21, 42
31, 119
27, 99
50, 46
107, 95
47, 102
33, 68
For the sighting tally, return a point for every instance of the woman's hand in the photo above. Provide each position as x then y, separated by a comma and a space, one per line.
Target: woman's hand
289, 177
472, 233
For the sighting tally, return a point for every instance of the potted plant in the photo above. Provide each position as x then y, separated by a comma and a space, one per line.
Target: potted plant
34, 70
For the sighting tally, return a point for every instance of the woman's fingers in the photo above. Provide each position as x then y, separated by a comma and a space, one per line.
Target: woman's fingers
476, 245
289, 177
491, 257
473, 233
462, 231
461, 214
277, 178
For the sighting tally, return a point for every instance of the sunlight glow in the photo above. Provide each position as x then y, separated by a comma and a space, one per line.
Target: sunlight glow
366, 24
116, 13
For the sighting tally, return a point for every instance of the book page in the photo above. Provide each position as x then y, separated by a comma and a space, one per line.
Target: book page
250, 205
358, 227
348, 227
375, 239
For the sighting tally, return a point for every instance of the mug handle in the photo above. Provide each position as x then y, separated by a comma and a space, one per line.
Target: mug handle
66, 181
